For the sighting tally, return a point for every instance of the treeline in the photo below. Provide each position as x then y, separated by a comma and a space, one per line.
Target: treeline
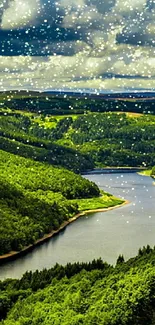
27, 216
48, 152
57, 105
34, 199
84, 293
113, 139
20, 135
34, 176
79, 144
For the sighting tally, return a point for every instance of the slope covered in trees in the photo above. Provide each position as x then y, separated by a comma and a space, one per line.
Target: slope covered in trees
69, 103
80, 142
23, 135
36, 198
27, 216
87, 293
33, 176
113, 139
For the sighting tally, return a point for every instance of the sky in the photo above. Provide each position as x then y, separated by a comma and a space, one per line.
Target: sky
106, 45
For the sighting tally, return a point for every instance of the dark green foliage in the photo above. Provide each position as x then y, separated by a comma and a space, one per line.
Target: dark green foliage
84, 293
34, 199
58, 104
12, 290
61, 128
27, 216
115, 139
120, 259
20, 135
34, 176
50, 153
107, 139
5, 304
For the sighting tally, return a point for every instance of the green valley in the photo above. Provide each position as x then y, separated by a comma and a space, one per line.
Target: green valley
41, 158
38, 197
80, 142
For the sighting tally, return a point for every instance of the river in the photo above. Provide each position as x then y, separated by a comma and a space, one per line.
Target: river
102, 234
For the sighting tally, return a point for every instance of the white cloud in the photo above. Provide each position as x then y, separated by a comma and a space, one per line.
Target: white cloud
151, 29
86, 16
125, 6
139, 67
77, 71
96, 52
19, 13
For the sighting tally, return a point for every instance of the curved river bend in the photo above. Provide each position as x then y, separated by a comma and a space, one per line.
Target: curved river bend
102, 234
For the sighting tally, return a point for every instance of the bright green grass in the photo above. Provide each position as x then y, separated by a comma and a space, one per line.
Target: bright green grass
48, 123
105, 201
146, 172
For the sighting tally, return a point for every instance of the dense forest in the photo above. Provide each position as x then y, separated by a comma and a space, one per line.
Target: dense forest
68, 103
83, 293
80, 143
36, 198
38, 195
23, 135
113, 139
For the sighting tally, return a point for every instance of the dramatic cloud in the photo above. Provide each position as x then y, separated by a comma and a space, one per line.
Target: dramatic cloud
77, 43
20, 13
130, 7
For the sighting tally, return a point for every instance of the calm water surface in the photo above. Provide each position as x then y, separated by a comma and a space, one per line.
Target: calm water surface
106, 235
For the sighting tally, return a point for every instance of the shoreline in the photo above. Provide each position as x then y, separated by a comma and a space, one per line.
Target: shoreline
152, 176
14, 255
113, 170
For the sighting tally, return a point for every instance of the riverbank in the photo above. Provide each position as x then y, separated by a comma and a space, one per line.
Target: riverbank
145, 172
113, 170
14, 255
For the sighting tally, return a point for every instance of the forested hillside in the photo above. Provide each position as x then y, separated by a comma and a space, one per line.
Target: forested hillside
35, 196
69, 103
116, 139
25, 136
34, 199
113, 139
80, 142
87, 293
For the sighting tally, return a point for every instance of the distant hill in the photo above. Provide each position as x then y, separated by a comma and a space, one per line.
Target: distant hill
66, 101
81, 93
80, 142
